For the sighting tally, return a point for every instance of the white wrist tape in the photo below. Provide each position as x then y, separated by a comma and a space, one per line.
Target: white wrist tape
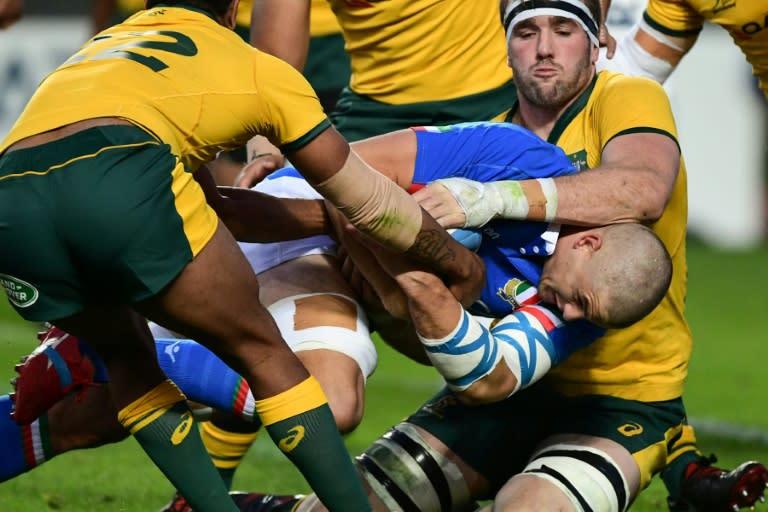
656, 34
632, 59
471, 350
514, 200
465, 355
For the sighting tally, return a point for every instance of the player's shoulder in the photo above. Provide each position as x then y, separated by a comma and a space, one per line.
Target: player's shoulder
613, 84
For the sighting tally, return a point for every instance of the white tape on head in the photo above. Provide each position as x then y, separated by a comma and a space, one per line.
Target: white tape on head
521, 10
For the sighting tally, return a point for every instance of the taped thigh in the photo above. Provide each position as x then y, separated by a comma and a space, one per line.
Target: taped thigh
590, 478
328, 321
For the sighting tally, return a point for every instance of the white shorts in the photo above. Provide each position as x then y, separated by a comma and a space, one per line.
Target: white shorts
266, 256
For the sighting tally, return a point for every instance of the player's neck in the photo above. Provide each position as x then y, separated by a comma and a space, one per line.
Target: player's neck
535, 119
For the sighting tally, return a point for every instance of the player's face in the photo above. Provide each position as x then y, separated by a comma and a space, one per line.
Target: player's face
552, 60
566, 282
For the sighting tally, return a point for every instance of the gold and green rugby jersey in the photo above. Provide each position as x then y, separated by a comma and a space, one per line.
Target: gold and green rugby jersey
649, 360
322, 21
412, 51
745, 20
180, 75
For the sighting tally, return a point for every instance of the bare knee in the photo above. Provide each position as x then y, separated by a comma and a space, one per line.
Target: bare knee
342, 382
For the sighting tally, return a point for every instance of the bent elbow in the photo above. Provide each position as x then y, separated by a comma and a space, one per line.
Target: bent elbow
651, 202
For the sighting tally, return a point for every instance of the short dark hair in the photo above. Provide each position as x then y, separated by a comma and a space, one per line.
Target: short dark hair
217, 7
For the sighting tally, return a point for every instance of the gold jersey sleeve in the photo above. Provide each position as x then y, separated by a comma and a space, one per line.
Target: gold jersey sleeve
412, 51
183, 77
647, 361
745, 21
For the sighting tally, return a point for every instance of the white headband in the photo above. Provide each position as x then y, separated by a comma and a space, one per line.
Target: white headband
521, 10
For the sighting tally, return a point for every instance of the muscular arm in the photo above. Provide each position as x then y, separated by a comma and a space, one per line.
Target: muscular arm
256, 217
646, 52
393, 154
484, 364
669, 48
381, 209
281, 28
632, 184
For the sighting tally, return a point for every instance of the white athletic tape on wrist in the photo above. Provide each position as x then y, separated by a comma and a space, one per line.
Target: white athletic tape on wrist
471, 351
632, 59
465, 355
482, 202
549, 191
525, 344
521, 10
656, 34
480, 205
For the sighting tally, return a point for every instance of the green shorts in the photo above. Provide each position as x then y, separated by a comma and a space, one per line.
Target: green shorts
358, 117
107, 215
497, 440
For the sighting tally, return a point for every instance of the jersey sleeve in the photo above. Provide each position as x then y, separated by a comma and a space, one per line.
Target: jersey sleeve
673, 17
485, 152
632, 105
291, 115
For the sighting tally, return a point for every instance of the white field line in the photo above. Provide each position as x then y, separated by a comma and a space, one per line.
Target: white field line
728, 430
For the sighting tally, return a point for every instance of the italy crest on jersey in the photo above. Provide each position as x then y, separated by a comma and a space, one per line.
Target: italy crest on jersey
518, 293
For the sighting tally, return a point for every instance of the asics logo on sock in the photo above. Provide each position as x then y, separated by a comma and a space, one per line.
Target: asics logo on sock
630, 429
182, 430
290, 442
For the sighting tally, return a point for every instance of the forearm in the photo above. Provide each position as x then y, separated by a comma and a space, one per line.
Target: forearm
471, 369
609, 195
252, 216
632, 184
384, 211
484, 365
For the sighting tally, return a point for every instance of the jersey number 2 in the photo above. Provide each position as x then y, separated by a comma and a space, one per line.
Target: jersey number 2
181, 45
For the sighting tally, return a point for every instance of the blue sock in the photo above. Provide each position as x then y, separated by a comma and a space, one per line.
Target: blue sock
22, 448
204, 378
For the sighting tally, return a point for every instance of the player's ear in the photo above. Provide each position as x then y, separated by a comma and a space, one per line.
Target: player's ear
594, 54
230, 18
592, 240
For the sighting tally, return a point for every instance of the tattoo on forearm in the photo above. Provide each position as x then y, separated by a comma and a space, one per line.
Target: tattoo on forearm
431, 245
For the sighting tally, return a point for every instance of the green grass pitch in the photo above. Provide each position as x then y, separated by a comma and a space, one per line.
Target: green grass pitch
728, 311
